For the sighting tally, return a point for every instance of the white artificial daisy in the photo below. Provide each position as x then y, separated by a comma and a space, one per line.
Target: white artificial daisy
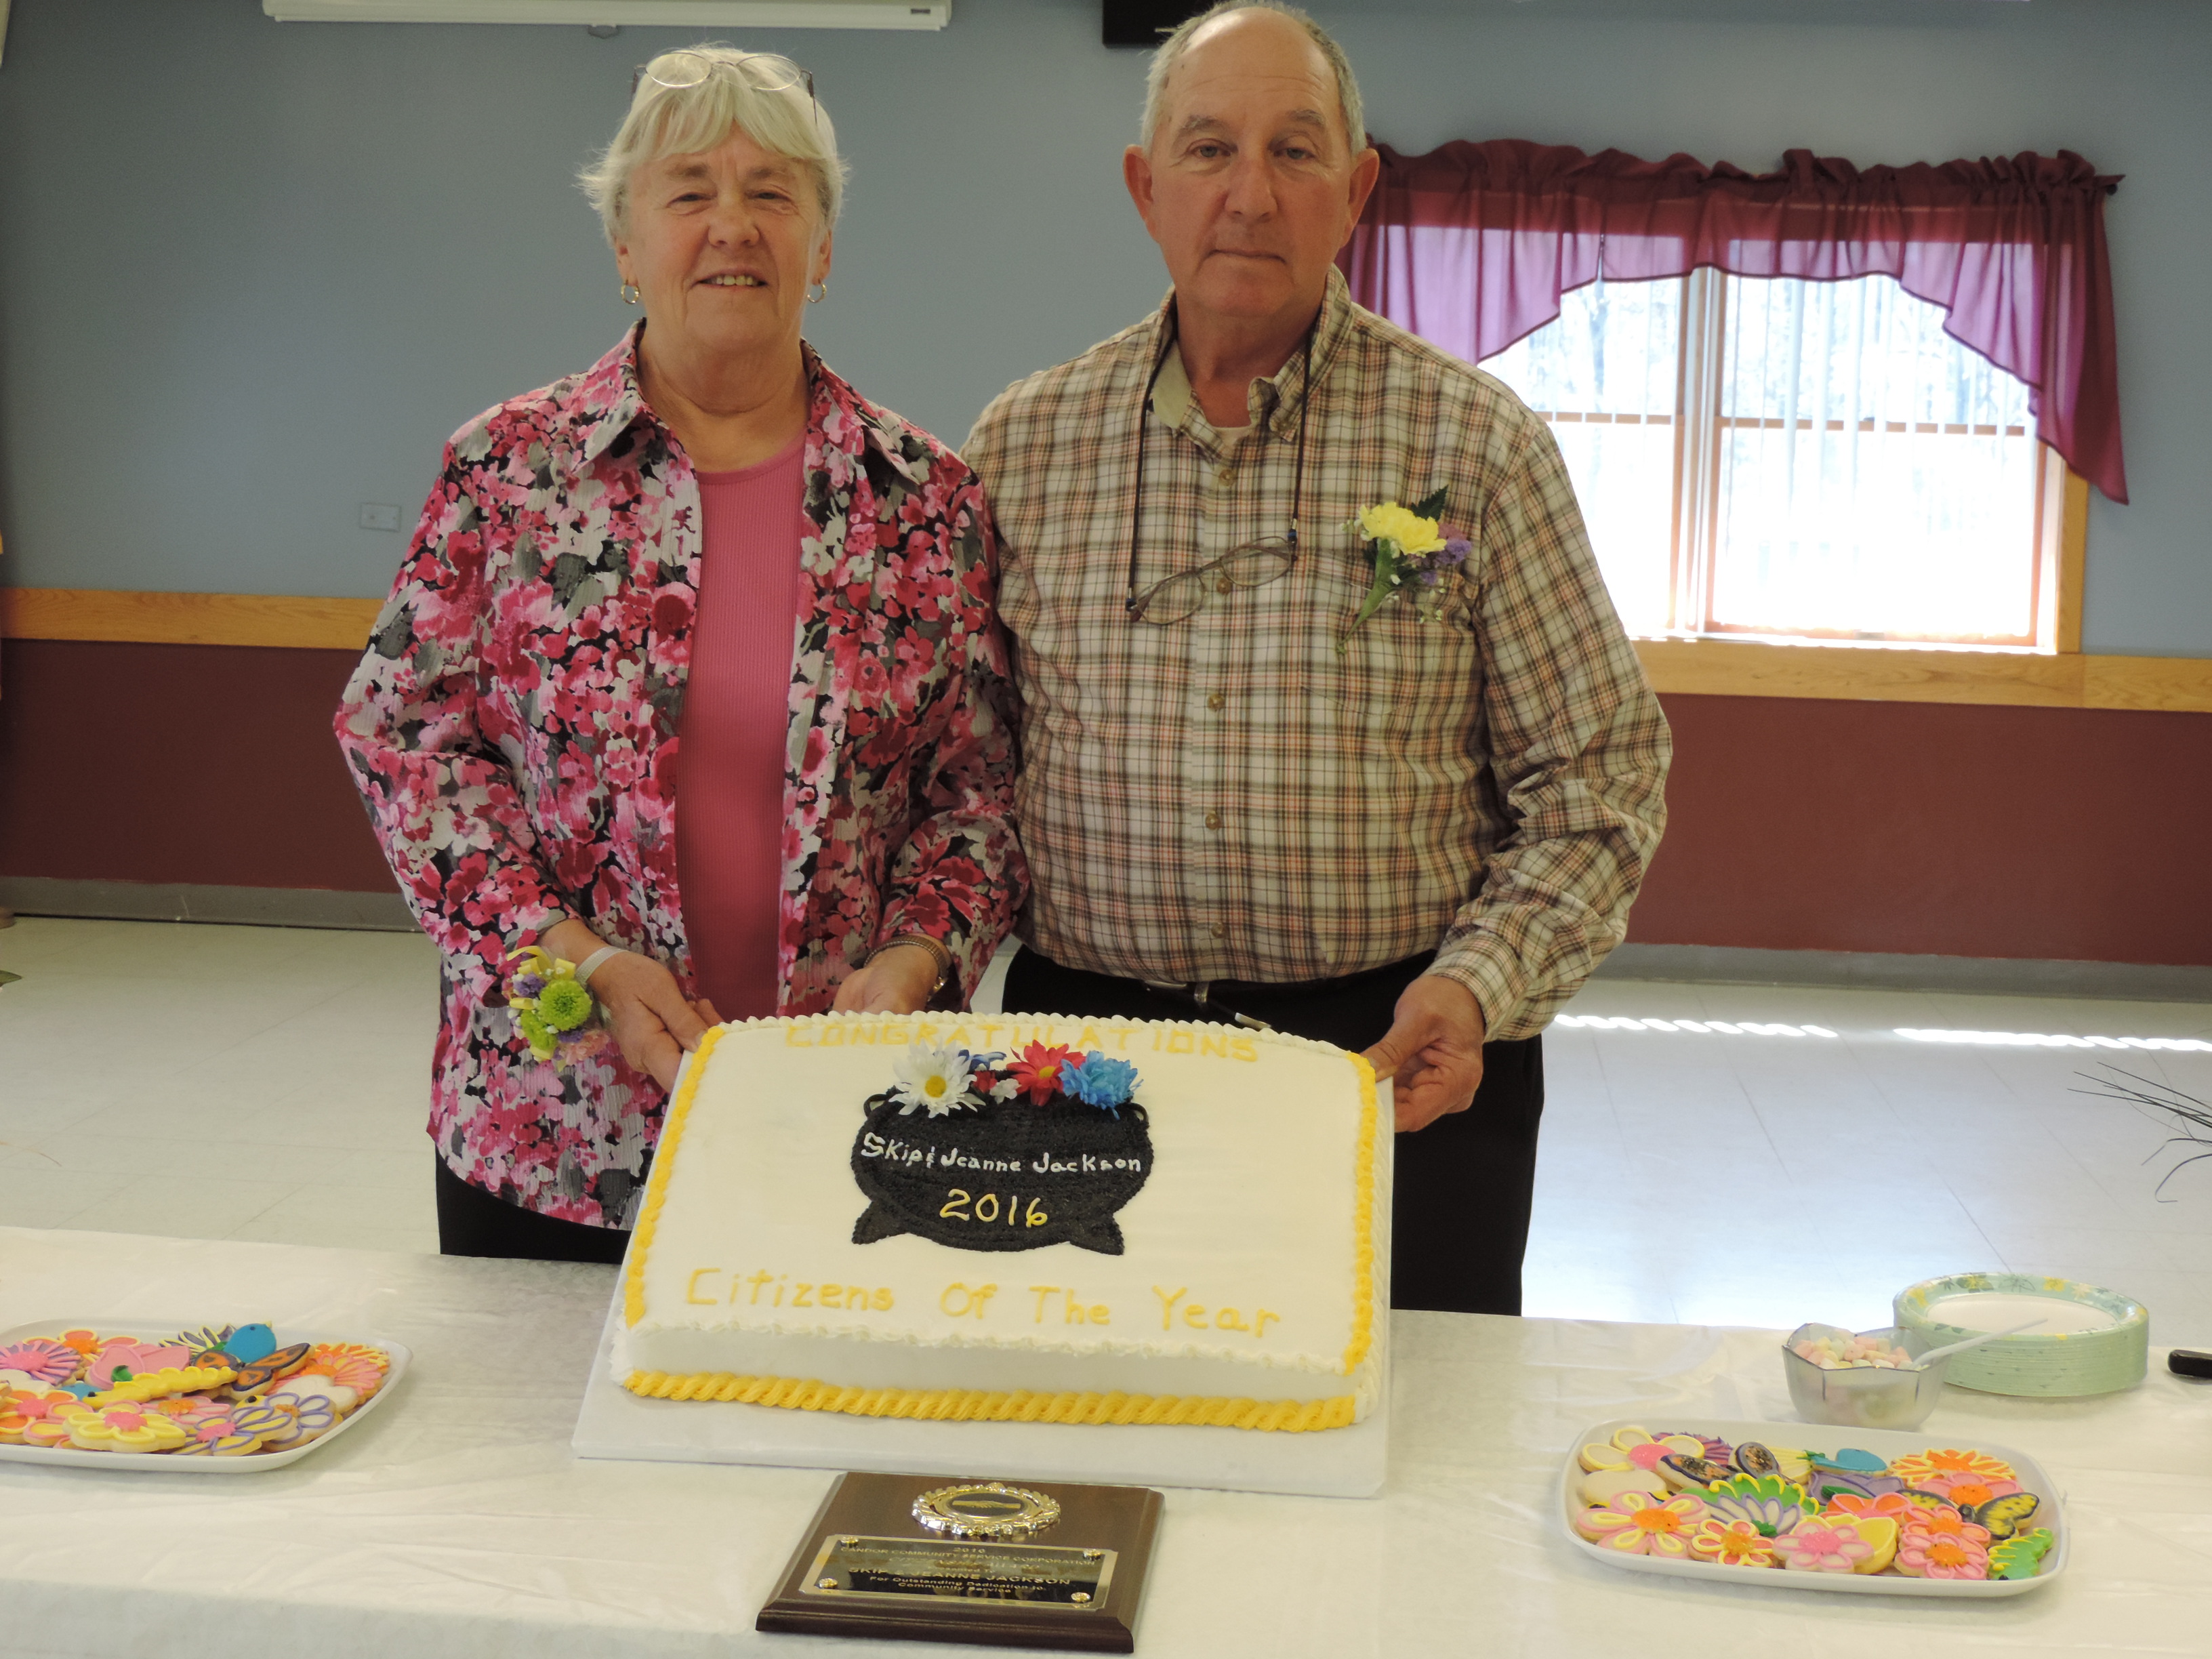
934, 1079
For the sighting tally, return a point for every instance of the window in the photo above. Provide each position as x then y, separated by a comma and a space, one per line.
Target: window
1778, 458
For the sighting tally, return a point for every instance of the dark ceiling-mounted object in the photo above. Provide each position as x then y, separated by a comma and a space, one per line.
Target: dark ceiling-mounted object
1144, 22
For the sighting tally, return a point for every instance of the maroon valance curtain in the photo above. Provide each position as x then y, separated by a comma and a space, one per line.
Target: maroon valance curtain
1471, 247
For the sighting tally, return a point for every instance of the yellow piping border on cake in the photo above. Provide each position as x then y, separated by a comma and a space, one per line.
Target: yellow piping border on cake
979, 1405
984, 1406
1363, 1222
656, 1190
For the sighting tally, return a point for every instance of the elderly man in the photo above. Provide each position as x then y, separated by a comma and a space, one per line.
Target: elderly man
1413, 829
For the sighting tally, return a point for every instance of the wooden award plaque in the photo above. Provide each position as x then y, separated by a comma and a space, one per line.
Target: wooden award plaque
945, 1558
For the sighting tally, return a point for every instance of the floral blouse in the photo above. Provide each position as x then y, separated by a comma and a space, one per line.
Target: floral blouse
513, 728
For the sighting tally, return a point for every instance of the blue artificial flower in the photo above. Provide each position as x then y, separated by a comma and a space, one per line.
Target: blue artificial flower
1100, 1082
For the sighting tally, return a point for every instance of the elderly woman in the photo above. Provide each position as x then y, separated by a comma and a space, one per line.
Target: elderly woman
706, 544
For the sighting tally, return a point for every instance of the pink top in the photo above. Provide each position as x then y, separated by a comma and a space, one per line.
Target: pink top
736, 711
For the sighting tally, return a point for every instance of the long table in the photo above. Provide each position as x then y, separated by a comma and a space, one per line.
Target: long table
457, 1521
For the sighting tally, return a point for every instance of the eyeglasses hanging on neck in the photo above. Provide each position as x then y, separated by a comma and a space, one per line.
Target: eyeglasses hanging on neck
1253, 564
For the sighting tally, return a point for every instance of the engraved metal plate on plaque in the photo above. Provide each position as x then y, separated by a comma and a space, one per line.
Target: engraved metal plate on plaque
934, 1568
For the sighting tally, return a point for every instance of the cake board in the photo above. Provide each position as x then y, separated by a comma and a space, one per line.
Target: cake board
1349, 1462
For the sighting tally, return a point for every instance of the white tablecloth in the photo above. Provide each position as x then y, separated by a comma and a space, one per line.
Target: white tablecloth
457, 1522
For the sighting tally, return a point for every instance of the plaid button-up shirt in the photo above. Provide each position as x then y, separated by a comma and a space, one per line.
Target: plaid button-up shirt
1230, 797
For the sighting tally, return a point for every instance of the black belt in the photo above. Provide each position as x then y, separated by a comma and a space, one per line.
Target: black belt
1206, 994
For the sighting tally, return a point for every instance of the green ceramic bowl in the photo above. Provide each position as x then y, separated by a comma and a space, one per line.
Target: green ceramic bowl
2101, 1361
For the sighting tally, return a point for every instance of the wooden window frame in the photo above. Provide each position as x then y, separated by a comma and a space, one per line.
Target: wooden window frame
2060, 529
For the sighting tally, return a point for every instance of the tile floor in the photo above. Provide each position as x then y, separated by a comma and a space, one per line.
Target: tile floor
268, 1083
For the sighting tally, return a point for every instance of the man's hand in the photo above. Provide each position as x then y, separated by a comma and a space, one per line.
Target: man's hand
653, 1024
900, 980
1432, 1051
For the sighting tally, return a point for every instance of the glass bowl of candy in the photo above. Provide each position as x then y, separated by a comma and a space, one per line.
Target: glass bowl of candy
1862, 1379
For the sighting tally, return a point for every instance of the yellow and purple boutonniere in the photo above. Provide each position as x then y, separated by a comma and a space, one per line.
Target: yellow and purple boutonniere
557, 1017
1412, 556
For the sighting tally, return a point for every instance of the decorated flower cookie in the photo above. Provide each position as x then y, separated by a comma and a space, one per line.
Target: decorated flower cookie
1944, 1522
2019, 1556
1856, 1506
24, 1409
42, 1359
1968, 1491
123, 1428
51, 1431
1926, 1500
1636, 1523
185, 1407
1602, 1486
312, 1418
1879, 1531
350, 1364
1823, 1547
135, 1359
1717, 1451
1770, 1505
310, 1385
239, 1430
1929, 1469
1922, 1554
1638, 1448
1826, 1484
1732, 1544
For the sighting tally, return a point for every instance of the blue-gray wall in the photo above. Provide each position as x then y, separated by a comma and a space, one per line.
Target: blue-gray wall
251, 273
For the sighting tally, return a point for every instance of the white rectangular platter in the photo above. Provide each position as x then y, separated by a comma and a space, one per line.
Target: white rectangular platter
166, 1463
1348, 1463
1885, 1443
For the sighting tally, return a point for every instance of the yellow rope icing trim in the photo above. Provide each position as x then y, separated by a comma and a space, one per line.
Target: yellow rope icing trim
983, 1406
656, 1190
1363, 1222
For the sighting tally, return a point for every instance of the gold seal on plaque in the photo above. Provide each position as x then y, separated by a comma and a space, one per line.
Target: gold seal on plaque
986, 1509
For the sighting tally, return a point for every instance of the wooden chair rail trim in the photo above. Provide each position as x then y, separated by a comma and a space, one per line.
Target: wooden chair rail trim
263, 619
1723, 668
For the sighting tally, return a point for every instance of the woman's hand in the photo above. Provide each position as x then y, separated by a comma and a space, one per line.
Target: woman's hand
900, 979
653, 1024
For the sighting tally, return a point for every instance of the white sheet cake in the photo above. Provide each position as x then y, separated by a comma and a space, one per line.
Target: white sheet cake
818, 1235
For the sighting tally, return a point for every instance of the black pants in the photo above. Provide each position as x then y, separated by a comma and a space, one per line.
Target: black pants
473, 1222
1462, 1186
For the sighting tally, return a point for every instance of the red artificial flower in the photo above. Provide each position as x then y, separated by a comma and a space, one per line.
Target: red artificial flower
1037, 1070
